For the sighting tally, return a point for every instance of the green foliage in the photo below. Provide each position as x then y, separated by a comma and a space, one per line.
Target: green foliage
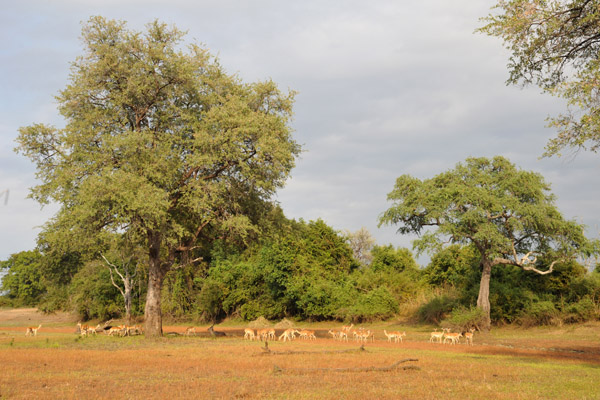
23, 281
436, 309
452, 266
462, 319
581, 311
387, 257
178, 293
161, 142
210, 300
376, 304
92, 294
554, 44
506, 213
539, 313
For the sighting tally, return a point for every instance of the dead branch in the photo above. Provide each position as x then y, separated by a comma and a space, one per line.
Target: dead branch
267, 351
394, 366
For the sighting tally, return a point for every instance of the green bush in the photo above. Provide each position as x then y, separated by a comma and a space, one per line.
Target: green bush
540, 313
23, 282
210, 301
462, 319
92, 294
436, 309
583, 310
375, 305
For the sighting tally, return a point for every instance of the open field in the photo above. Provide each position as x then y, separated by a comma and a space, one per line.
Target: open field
508, 363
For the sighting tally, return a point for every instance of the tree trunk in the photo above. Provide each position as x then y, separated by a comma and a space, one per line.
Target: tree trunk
128, 297
483, 301
156, 274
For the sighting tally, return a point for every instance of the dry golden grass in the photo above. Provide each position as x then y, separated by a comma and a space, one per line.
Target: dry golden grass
58, 364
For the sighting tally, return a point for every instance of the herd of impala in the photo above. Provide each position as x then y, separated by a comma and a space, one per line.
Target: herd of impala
359, 335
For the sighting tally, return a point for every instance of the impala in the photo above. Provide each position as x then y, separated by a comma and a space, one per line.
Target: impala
249, 334
82, 329
469, 336
262, 334
436, 336
288, 334
115, 329
303, 334
32, 330
397, 336
452, 337
190, 330
334, 334
363, 336
346, 328
138, 329
271, 333
389, 336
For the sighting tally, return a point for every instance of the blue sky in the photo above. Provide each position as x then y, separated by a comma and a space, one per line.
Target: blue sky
385, 88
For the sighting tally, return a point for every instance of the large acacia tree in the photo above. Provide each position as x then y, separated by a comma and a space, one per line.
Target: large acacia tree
555, 44
508, 214
160, 142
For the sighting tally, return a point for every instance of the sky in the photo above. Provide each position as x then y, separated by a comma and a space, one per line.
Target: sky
385, 88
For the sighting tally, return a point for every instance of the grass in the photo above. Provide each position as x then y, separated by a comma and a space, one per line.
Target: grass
57, 364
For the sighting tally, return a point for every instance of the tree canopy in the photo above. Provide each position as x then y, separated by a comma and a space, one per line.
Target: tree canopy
508, 214
555, 44
162, 143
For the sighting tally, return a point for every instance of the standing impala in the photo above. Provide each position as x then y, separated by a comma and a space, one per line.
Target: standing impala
469, 336
32, 330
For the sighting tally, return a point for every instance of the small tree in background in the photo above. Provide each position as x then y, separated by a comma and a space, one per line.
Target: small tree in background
361, 242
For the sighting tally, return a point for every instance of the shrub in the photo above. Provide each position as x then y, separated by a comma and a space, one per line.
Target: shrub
540, 313
462, 319
436, 309
374, 305
583, 310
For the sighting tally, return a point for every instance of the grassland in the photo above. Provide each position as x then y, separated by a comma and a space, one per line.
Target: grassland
508, 363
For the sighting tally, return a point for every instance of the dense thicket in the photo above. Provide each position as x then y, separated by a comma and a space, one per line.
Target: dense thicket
307, 271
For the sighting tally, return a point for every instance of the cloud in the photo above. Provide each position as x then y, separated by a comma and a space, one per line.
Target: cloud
385, 88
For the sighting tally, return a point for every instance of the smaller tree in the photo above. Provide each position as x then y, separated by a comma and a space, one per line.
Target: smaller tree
23, 280
506, 213
361, 242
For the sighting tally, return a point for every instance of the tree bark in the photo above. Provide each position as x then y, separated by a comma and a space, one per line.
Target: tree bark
128, 296
483, 301
156, 274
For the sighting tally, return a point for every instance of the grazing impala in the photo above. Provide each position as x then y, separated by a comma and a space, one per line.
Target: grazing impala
116, 329
453, 338
334, 334
249, 334
306, 334
262, 334
288, 334
469, 336
32, 330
